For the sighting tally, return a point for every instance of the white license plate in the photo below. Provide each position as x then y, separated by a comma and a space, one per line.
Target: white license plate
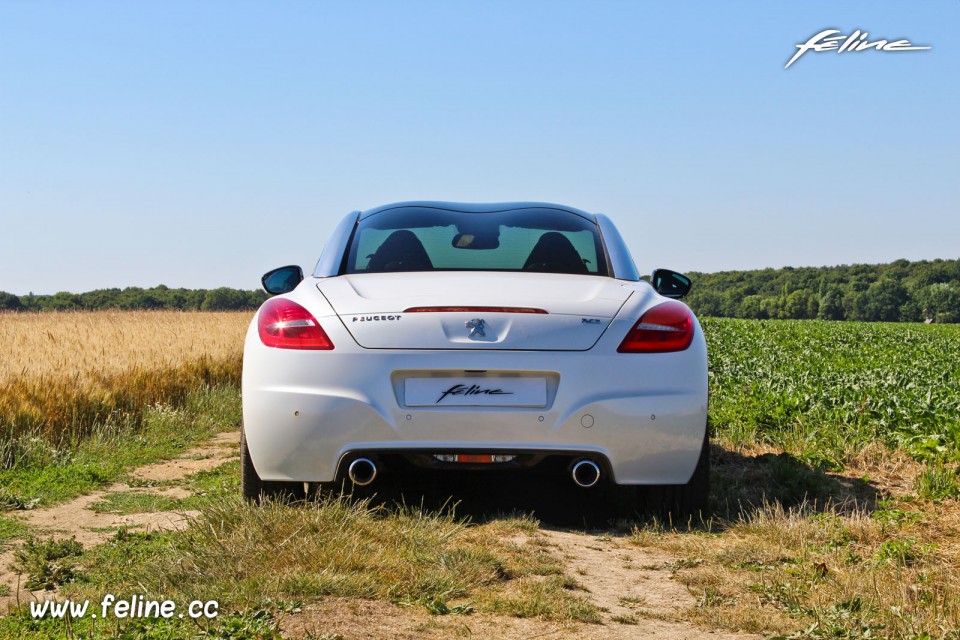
475, 392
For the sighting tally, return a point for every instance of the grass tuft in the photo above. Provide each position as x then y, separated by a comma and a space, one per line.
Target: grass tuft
48, 564
938, 482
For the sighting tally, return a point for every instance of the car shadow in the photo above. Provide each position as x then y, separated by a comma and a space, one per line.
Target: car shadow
481, 496
742, 485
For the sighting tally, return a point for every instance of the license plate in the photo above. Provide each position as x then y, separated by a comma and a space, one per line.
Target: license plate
475, 392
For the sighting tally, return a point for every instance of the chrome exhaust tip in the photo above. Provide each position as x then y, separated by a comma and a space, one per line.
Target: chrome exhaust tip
585, 474
362, 472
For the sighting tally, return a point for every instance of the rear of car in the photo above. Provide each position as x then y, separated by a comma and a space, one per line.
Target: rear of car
486, 337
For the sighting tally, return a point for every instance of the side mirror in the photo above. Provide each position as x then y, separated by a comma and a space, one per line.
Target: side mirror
670, 284
282, 279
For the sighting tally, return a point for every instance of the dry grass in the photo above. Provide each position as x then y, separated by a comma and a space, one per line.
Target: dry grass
243, 557
61, 374
833, 575
830, 566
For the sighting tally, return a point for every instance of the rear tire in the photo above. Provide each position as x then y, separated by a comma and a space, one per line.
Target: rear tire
254, 490
251, 486
681, 501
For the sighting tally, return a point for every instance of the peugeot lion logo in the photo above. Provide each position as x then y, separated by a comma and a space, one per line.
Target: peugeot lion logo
476, 327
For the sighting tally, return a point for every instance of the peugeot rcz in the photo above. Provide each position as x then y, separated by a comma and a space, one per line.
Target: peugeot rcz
477, 337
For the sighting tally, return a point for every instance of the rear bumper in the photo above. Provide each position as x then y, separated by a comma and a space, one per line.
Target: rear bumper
647, 440
306, 412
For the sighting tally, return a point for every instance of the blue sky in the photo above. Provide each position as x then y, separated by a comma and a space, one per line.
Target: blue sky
199, 144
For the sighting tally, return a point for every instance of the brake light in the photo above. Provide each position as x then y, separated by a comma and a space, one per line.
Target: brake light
667, 327
284, 324
473, 310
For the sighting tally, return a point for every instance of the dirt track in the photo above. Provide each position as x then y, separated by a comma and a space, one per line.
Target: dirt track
632, 586
76, 519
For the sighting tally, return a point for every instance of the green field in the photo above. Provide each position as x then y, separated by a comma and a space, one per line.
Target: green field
825, 390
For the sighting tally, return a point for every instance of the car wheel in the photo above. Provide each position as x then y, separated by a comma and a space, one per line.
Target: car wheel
254, 489
677, 501
251, 486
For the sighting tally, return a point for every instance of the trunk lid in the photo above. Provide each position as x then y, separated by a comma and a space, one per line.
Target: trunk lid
375, 309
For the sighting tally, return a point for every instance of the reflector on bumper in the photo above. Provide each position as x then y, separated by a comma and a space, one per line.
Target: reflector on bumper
471, 458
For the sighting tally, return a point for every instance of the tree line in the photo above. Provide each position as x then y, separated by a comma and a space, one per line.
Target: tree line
901, 291
160, 297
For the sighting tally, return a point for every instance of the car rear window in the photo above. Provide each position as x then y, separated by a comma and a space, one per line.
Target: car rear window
432, 239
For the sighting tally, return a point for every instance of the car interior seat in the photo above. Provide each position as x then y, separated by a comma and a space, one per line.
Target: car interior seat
554, 253
401, 251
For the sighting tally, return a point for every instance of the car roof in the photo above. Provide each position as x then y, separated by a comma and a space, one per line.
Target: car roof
471, 207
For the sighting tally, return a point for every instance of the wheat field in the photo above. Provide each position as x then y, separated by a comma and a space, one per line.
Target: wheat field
89, 346
62, 374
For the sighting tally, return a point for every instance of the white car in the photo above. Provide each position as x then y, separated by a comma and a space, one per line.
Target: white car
485, 337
